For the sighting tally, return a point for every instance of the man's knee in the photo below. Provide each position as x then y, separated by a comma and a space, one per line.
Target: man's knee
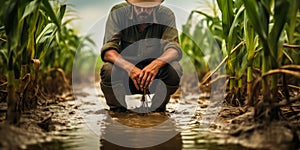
172, 74
105, 73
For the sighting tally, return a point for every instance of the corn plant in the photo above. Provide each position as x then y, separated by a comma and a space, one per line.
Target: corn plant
269, 30
33, 37
232, 24
227, 33
292, 30
252, 44
260, 14
202, 44
20, 34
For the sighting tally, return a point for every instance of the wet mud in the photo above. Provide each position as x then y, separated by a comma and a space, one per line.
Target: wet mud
80, 120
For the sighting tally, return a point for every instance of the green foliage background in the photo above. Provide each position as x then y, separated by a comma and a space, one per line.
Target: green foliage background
253, 36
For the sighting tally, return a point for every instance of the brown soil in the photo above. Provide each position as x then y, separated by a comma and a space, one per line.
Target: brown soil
58, 112
243, 130
39, 125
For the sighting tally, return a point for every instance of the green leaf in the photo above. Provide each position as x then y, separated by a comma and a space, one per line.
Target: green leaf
266, 4
62, 11
232, 35
280, 18
243, 65
50, 12
250, 37
257, 17
226, 7
203, 13
47, 30
292, 19
3, 54
11, 25
30, 8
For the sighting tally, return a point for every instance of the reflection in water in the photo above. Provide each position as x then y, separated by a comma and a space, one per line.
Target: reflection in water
133, 130
98, 128
174, 143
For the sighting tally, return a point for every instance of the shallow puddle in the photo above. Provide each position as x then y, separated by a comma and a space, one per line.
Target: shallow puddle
183, 127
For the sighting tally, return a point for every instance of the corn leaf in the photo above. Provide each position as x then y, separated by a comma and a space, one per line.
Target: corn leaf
292, 19
226, 7
30, 8
50, 12
280, 18
257, 17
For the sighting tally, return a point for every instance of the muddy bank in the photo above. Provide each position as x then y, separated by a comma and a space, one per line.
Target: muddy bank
233, 126
241, 129
41, 125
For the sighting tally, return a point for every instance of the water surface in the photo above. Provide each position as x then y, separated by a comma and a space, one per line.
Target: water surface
182, 127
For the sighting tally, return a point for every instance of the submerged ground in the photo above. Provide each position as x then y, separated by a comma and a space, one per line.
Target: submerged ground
79, 120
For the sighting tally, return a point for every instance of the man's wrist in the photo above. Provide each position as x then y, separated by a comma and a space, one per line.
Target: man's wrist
159, 63
128, 67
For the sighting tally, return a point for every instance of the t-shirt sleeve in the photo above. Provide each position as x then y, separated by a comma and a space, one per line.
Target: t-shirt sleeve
170, 35
112, 32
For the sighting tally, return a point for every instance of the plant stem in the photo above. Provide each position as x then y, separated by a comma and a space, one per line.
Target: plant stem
223, 61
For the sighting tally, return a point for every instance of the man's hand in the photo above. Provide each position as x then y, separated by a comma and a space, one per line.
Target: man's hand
133, 71
134, 74
149, 73
141, 78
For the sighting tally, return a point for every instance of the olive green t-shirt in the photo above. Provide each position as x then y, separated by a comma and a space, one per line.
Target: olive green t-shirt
123, 34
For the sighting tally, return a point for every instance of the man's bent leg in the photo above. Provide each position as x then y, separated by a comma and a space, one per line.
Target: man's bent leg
162, 97
170, 76
114, 91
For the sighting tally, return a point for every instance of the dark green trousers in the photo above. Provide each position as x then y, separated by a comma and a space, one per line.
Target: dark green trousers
115, 84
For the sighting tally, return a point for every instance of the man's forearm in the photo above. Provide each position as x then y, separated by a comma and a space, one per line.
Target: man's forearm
114, 57
169, 55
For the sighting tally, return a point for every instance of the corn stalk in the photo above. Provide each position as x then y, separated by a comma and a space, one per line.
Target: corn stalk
21, 33
232, 26
226, 7
260, 15
251, 47
13, 111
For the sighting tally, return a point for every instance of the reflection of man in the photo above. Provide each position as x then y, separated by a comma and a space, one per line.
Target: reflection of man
120, 132
141, 42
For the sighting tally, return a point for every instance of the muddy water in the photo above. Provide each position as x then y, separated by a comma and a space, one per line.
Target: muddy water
182, 127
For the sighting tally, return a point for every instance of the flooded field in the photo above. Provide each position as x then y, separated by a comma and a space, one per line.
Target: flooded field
90, 126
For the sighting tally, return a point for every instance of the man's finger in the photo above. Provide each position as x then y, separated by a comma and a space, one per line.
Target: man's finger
147, 82
141, 74
136, 84
144, 79
151, 80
